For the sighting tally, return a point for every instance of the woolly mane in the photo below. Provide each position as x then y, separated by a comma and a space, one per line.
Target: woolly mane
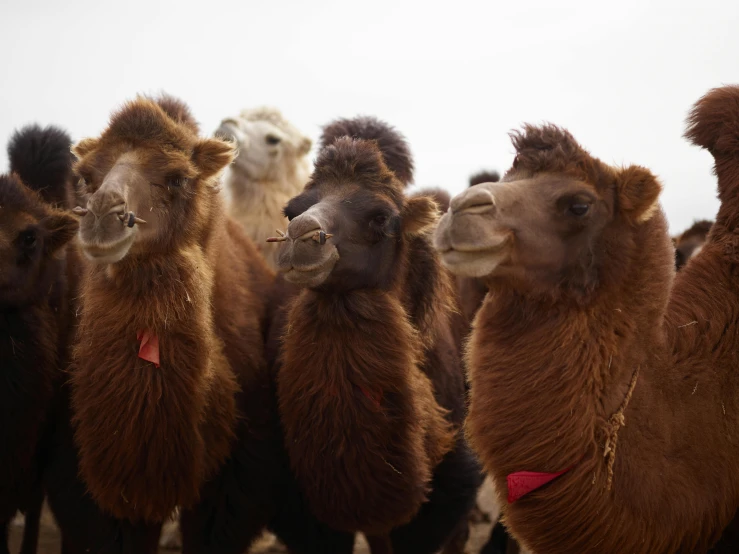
389, 141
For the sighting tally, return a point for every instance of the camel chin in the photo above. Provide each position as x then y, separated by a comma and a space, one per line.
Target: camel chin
472, 264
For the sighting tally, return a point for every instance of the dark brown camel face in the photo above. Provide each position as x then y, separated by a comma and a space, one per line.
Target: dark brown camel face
348, 227
147, 181
547, 222
31, 233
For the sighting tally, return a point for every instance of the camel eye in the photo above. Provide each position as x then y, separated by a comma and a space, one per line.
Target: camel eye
176, 181
579, 209
379, 220
28, 239
273, 140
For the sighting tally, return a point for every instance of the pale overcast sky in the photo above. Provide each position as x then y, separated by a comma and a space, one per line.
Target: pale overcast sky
453, 76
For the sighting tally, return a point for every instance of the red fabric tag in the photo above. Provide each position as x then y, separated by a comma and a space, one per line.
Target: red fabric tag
375, 398
149, 346
522, 483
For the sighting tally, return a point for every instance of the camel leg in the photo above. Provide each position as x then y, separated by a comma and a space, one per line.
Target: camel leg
380, 544
456, 544
498, 541
33, 522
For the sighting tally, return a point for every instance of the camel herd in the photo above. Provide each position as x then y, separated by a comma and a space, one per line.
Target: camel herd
218, 330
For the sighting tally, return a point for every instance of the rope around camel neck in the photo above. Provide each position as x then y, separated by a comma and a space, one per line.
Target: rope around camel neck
617, 421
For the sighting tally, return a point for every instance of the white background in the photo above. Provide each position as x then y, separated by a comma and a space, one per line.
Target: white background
453, 76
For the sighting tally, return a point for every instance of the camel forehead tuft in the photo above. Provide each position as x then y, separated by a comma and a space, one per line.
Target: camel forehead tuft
359, 162
549, 148
144, 123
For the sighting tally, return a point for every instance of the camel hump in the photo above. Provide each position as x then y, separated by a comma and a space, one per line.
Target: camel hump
713, 123
484, 176
439, 195
42, 158
392, 144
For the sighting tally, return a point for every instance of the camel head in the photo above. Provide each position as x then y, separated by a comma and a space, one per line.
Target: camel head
554, 219
348, 228
690, 242
149, 179
268, 145
31, 233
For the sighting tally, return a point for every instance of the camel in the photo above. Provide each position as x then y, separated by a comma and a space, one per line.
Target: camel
33, 323
271, 167
593, 364
484, 176
369, 386
173, 403
38, 306
689, 242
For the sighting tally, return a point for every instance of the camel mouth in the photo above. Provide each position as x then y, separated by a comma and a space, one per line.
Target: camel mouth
475, 263
303, 269
309, 276
476, 260
108, 253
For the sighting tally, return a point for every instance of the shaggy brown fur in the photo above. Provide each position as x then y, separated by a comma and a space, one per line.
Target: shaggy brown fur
396, 153
690, 241
370, 388
34, 325
150, 436
556, 347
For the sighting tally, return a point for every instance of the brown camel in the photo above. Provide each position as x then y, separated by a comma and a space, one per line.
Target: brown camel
174, 404
172, 313
603, 395
34, 322
40, 269
370, 387
690, 242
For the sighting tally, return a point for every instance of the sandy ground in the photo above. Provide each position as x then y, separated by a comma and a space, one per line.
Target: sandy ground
49, 539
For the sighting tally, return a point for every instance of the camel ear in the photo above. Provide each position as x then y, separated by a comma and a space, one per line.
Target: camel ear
304, 146
212, 155
419, 215
61, 227
638, 193
83, 147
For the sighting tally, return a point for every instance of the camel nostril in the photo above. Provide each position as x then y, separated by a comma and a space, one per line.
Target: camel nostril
473, 201
118, 209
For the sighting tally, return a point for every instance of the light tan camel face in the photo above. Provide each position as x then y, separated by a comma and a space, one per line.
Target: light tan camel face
555, 218
143, 199
267, 145
534, 225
